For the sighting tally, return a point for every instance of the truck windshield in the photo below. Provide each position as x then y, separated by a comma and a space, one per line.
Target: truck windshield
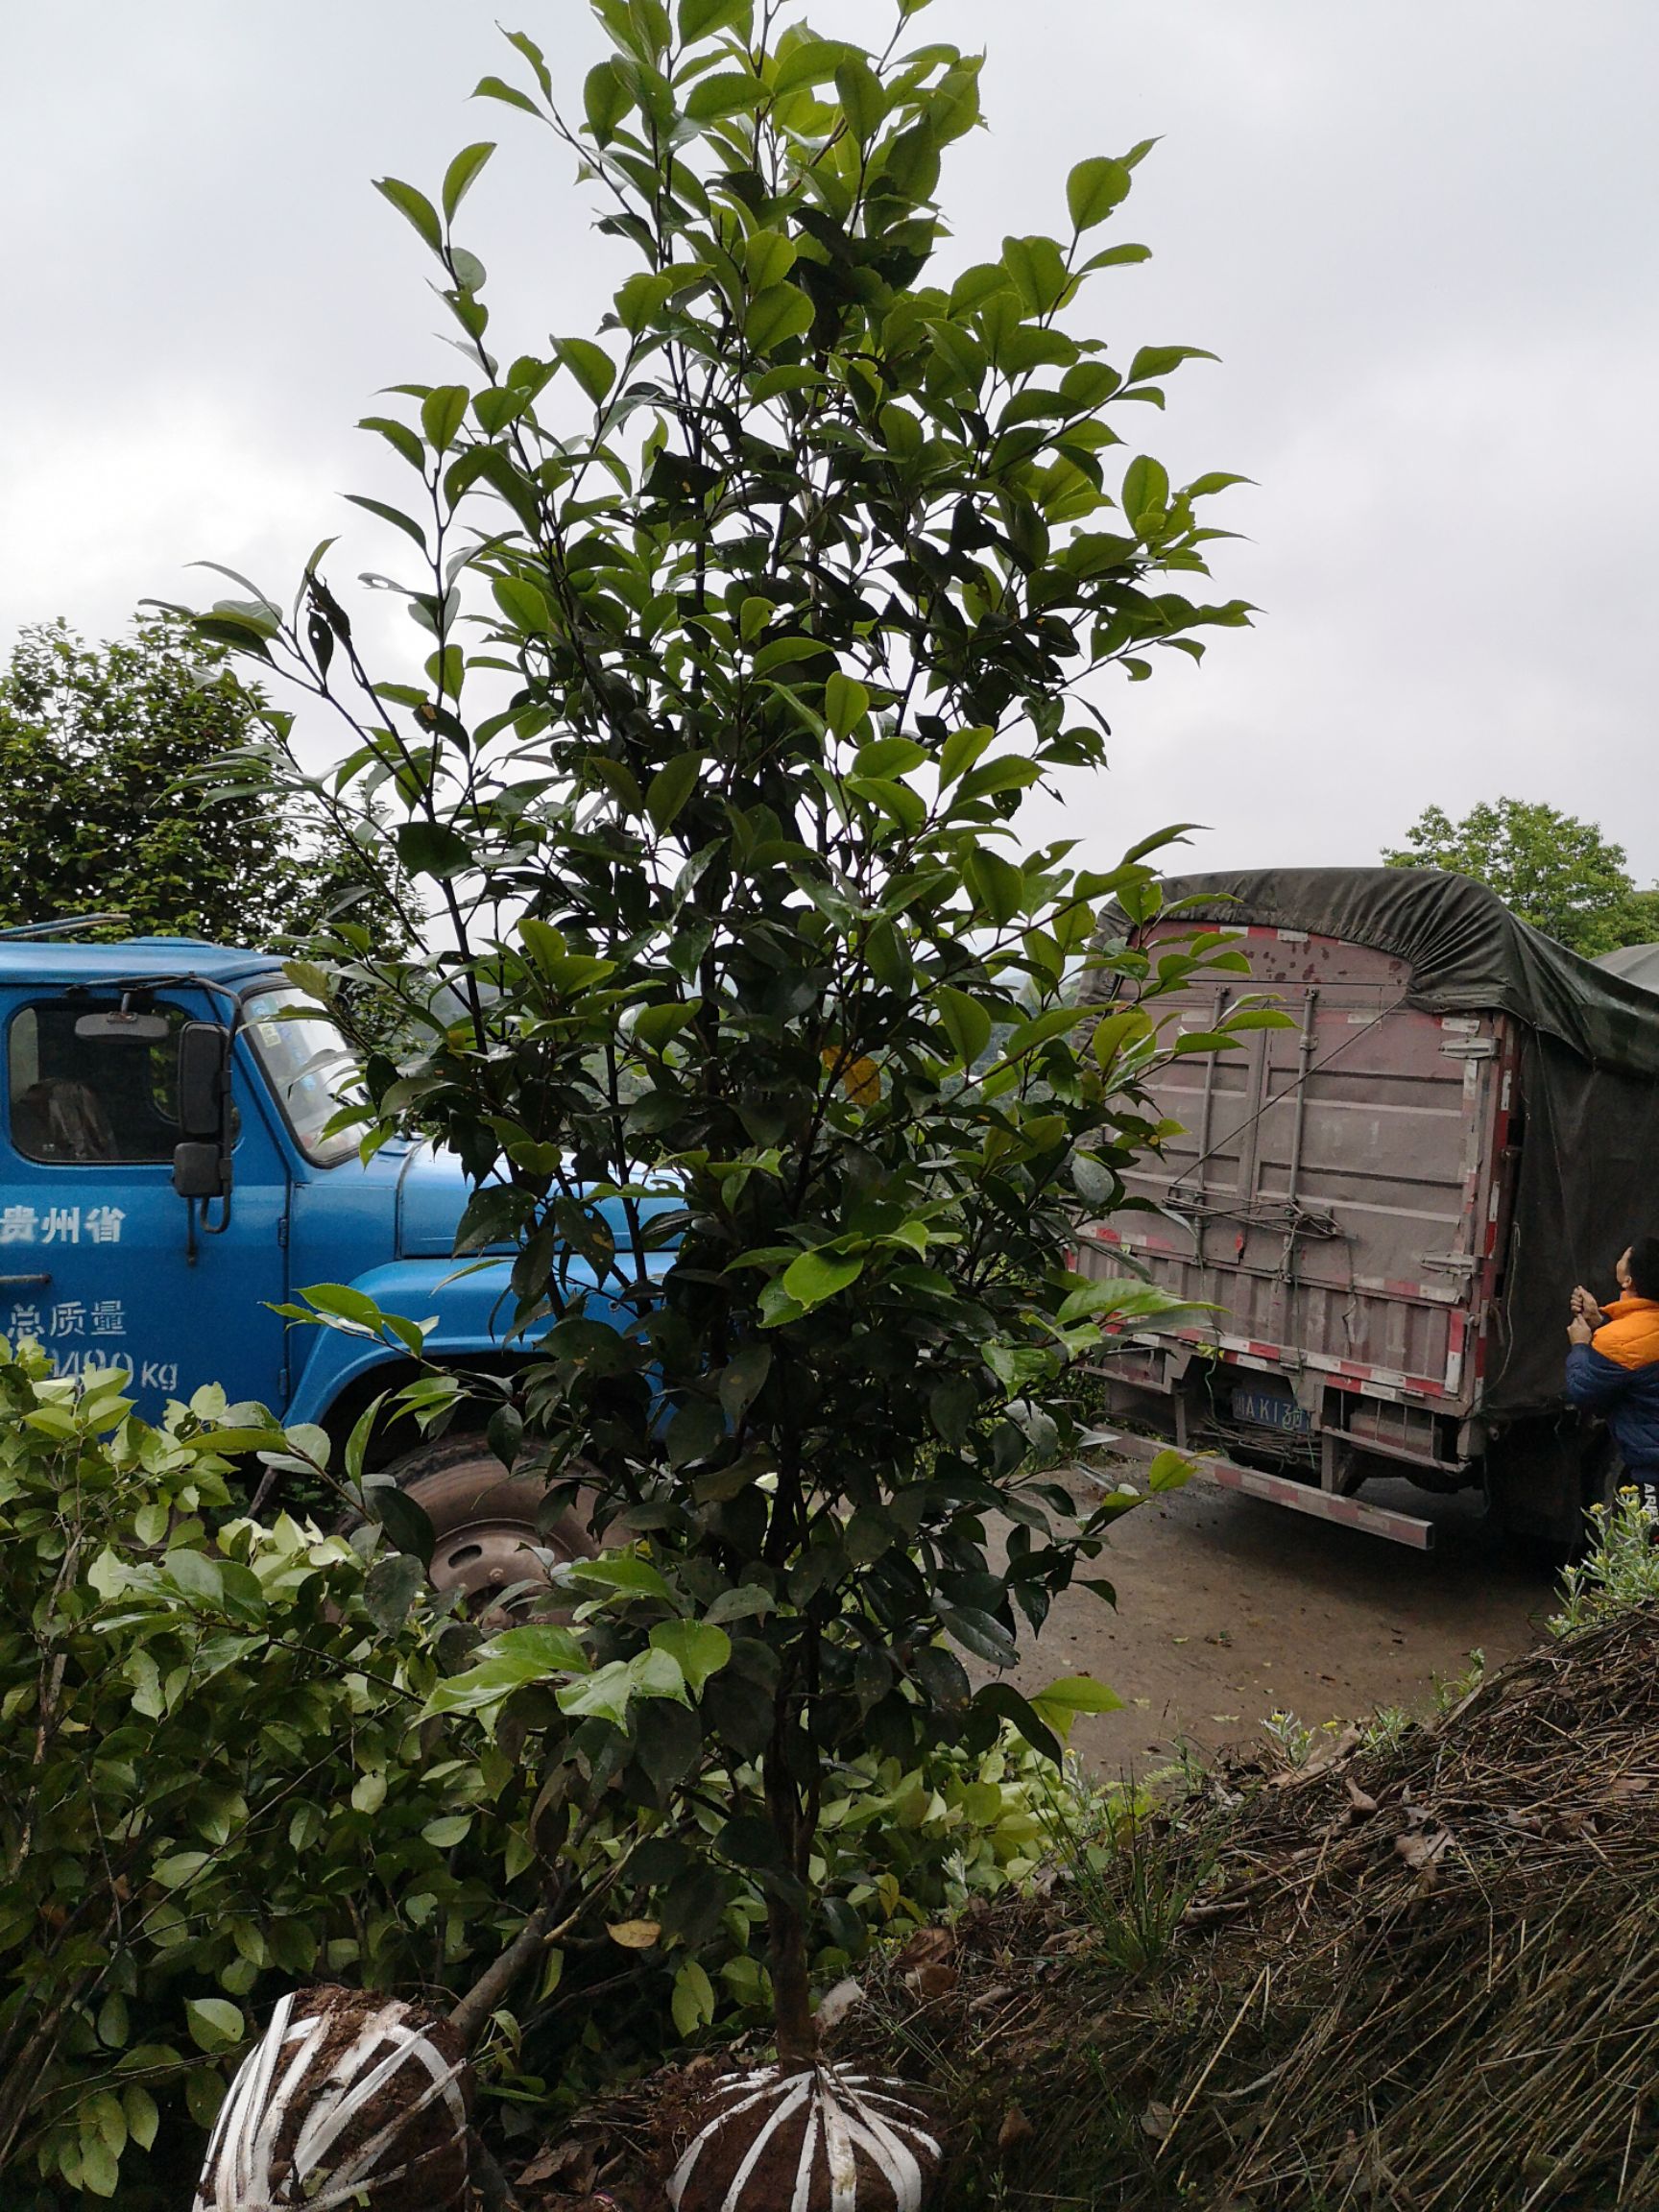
309, 1070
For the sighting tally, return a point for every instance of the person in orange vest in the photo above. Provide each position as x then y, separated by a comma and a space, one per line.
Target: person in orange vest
1613, 1364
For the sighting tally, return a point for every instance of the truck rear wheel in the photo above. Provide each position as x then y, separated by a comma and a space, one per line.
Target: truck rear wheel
485, 1520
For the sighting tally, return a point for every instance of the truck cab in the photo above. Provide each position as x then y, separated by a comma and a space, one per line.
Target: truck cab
134, 1237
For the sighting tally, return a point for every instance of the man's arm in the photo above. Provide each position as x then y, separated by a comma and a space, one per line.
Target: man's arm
1595, 1383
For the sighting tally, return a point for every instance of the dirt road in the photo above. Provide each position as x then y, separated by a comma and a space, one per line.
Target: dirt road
1230, 1609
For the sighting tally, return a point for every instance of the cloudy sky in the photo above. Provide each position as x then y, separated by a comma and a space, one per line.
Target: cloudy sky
1421, 233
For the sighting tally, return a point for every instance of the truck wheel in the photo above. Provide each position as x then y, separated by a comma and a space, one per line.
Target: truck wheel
485, 1520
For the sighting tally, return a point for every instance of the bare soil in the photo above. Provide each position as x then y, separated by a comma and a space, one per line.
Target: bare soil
1230, 1609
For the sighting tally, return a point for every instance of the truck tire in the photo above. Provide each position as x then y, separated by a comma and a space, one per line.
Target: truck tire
485, 1520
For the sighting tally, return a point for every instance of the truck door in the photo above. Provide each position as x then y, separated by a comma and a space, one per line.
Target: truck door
94, 1247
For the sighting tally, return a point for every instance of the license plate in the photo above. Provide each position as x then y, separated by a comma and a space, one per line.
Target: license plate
1271, 1409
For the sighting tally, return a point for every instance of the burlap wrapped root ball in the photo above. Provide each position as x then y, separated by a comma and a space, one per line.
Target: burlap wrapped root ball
811, 2139
346, 2099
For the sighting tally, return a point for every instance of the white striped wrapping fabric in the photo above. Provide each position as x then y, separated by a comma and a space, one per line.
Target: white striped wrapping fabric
281, 2135
839, 2116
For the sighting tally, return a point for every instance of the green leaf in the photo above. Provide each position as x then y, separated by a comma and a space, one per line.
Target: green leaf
1145, 494
523, 604
540, 1653
345, 1303
414, 207
699, 19
605, 100
808, 61
622, 1572
590, 365
692, 2003
961, 749
775, 316
742, 1377
496, 88
846, 702
100, 2167
443, 1835
750, 1600
433, 849
1170, 1471
1094, 189
670, 787
461, 174
819, 1275
1160, 360
399, 436
657, 1027
143, 2117
399, 520
442, 412
1074, 1693
641, 298
979, 1633
729, 92
1114, 257
402, 1519
1038, 268
1003, 1700
768, 256
997, 886
1122, 1296
369, 1791
696, 1649
967, 1023
214, 2023
604, 1695
390, 1589
863, 96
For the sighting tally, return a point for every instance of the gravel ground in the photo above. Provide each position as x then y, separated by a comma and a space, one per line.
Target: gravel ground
1230, 1609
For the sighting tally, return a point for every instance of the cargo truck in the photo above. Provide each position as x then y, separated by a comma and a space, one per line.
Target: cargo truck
1380, 1209
170, 1175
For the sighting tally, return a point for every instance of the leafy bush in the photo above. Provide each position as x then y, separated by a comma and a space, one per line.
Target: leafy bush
1619, 1568
211, 1778
235, 1757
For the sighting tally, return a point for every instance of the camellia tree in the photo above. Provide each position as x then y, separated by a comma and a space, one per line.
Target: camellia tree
751, 623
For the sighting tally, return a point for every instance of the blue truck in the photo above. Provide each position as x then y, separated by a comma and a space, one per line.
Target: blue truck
169, 1178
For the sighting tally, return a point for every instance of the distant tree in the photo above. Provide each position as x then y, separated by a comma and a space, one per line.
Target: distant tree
1553, 869
1639, 919
101, 811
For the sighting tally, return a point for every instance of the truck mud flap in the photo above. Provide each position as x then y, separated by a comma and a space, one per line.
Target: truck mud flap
1281, 1490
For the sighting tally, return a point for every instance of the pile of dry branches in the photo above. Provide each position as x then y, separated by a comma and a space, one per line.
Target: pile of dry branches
1424, 1977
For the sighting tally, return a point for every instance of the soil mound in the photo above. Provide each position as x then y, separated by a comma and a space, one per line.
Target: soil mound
1422, 1977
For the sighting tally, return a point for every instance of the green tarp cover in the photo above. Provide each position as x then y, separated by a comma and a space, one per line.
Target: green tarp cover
1589, 1170
1636, 963
1467, 952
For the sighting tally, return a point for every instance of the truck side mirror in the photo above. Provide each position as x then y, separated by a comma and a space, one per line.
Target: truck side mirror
201, 1162
204, 1080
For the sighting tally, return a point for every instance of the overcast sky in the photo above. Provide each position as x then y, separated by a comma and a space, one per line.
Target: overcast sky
1421, 234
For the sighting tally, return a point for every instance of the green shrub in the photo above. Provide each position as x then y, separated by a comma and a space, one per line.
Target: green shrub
1619, 1568
212, 1783
237, 1756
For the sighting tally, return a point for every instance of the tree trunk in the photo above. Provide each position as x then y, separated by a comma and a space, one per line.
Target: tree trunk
791, 1986
785, 1921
